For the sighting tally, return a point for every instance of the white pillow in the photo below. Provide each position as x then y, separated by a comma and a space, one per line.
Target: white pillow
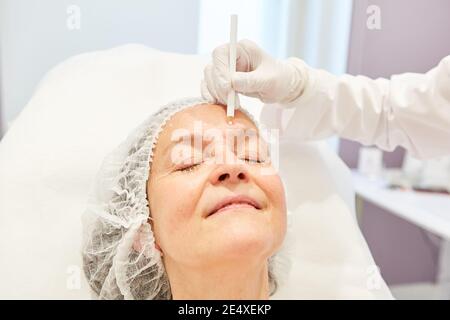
85, 107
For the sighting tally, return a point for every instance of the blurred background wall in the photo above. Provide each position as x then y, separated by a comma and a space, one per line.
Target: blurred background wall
36, 35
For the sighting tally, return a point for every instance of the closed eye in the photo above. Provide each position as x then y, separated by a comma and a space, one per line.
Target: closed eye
253, 160
189, 168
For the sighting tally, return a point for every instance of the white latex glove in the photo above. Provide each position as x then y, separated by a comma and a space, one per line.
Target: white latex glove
257, 75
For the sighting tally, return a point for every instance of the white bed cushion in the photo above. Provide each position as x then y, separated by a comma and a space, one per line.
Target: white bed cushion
85, 107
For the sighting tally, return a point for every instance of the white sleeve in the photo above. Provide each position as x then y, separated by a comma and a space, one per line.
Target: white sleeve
409, 110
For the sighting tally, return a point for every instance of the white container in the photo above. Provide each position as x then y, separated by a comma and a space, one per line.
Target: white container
370, 162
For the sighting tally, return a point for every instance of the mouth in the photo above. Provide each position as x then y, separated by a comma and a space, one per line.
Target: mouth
235, 202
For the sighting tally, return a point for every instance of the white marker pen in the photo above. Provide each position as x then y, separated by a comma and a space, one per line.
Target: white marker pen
231, 99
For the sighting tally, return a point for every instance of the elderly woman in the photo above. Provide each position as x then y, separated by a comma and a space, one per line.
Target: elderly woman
199, 218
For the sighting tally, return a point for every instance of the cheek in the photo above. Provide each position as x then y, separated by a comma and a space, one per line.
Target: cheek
274, 190
172, 203
273, 187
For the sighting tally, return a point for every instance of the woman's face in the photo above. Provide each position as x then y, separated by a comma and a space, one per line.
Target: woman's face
191, 179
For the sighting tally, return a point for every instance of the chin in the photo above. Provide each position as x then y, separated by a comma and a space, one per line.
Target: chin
246, 238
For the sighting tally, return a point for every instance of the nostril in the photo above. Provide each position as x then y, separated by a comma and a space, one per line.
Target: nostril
241, 176
223, 176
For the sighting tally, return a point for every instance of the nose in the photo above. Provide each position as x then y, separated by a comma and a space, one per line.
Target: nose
229, 173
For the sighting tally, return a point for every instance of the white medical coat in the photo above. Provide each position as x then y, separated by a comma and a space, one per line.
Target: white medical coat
409, 110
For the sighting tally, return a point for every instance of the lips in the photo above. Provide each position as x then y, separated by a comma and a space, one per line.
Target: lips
239, 201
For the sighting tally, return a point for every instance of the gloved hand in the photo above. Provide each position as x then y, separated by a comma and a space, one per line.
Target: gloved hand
257, 75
